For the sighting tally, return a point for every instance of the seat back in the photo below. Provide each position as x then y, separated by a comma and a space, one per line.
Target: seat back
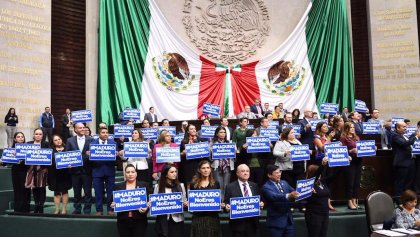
379, 207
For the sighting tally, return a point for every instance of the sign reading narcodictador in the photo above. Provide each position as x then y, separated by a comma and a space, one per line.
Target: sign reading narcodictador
131, 199
204, 200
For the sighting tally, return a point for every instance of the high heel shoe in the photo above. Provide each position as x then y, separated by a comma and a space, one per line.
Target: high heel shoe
352, 208
332, 208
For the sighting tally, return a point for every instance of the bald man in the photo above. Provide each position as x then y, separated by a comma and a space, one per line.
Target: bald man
404, 168
244, 227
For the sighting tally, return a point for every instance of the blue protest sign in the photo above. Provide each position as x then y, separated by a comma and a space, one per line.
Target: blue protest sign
197, 150
41, 156
131, 114
178, 139
223, 151
296, 127
103, 152
9, 156
360, 106
243, 207
204, 200
331, 144
123, 130
136, 150
371, 127
273, 124
211, 109
167, 154
314, 122
300, 152
208, 131
68, 159
395, 120
258, 144
131, 199
410, 130
249, 126
170, 129
150, 133
21, 149
81, 116
165, 203
365, 148
416, 148
304, 188
272, 133
328, 108
337, 156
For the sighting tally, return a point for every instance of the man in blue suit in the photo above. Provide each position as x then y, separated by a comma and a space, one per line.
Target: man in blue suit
103, 174
278, 196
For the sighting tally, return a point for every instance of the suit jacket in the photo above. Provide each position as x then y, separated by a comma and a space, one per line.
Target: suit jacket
277, 204
71, 145
136, 214
65, 120
149, 117
345, 116
401, 149
103, 168
234, 190
249, 115
306, 135
230, 132
358, 127
254, 110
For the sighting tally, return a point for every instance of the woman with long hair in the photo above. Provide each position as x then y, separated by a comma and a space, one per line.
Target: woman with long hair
131, 223
354, 170
338, 126
11, 120
205, 223
21, 195
171, 225
254, 161
36, 178
296, 114
164, 140
222, 168
239, 138
188, 167
59, 180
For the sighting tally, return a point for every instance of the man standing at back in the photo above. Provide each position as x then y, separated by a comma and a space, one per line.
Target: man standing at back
244, 227
307, 135
81, 176
151, 116
47, 124
278, 197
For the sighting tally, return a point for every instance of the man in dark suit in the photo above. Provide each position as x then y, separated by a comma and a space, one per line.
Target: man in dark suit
103, 175
47, 124
345, 114
244, 227
81, 176
404, 167
278, 196
224, 122
151, 116
266, 109
306, 133
257, 109
66, 124
355, 118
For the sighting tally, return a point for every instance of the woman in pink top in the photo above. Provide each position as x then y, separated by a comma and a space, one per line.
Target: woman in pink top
163, 140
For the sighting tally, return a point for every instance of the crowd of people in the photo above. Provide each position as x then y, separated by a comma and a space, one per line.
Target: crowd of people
273, 175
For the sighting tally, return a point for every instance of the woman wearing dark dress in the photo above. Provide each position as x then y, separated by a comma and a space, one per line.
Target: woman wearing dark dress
317, 210
131, 223
11, 120
36, 178
171, 225
59, 180
21, 195
188, 167
205, 223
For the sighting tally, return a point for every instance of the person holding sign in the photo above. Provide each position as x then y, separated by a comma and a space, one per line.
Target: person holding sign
21, 194
164, 140
59, 180
291, 171
205, 223
320, 139
254, 161
306, 133
278, 196
404, 164
317, 213
222, 168
36, 178
131, 223
170, 225
188, 167
244, 227
354, 170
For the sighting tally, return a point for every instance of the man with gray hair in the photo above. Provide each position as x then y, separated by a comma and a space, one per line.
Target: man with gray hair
247, 113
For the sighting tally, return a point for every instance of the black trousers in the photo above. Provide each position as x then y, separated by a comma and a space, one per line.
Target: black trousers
250, 231
353, 175
80, 181
47, 132
317, 225
404, 177
40, 195
21, 195
131, 227
257, 175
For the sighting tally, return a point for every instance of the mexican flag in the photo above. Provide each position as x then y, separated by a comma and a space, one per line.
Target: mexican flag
145, 63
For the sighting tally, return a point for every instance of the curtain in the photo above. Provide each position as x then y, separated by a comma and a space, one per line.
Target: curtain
123, 42
329, 52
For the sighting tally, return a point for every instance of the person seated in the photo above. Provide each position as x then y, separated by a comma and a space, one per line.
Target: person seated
407, 216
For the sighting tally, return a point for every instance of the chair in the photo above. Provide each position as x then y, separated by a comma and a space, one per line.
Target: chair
379, 207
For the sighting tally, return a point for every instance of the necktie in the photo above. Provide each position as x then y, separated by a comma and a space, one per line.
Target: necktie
246, 194
278, 184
